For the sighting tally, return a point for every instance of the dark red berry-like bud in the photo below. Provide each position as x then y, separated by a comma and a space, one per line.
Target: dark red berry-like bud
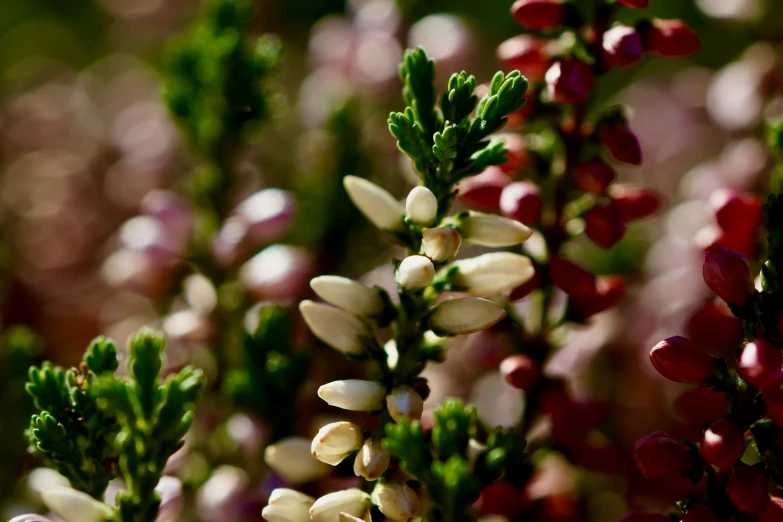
520, 371
621, 142
644, 516
760, 365
594, 176
609, 292
715, 329
700, 513
483, 190
774, 401
658, 455
680, 360
604, 224
538, 14
527, 54
670, 38
747, 489
521, 200
771, 511
500, 498
736, 212
727, 273
623, 45
635, 4
516, 152
722, 445
571, 278
700, 406
569, 81
635, 202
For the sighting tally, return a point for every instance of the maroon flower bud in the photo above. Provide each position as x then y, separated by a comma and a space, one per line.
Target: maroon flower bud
521, 201
670, 38
747, 489
657, 455
715, 329
517, 154
526, 54
538, 14
609, 292
700, 406
727, 273
635, 202
594, 176
771, 511
760, 365
571, 278
635, 4
621, 142
722, 445
644, 516
623, 45
774, 401
483, 190
680, 360
736, 212
604, 224
500, 498
520, 371
700, 513
569, 81
598, 457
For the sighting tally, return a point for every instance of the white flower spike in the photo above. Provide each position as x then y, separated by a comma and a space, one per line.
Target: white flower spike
491, 273
422, 206
352, 296
353, 395
492, 231
464, 315
380, 207
342, 331
336, 441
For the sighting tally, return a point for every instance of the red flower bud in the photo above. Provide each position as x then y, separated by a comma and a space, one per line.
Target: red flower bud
569, 81
715, 329
747, 489
482, 191
526, 54
771, 511
700, 513
644, 516
635, 202
571, 278
598, 457
538, 14
621, 142
700, 406
680, 360
521, 201
609, 292
722, 445
727, 273
774, 401
516, 152
760, 365
635, 4
500, 498
520, 371
594, 176
604, 224
736, 212
670, 38
657, 455
623, 45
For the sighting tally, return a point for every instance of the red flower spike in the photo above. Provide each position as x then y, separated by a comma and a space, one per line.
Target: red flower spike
670, 38
700, 406
760, 365
500, 498
722, 445
727, 273
594, 176
483, 190
538, 14
571, 278
644, 516
700, 513
623, 46
680, 360
520, 371
657, 455
747, 489
635, 202
736, 212
604, 224
771, 511
521, 201
635, 4
569, 81
774, 401
526, 54
621, 142
715, 329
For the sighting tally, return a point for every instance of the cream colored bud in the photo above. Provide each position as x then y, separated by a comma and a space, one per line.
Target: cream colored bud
353, 502
291, 459
372, 461
492, 231
396, 501
441, 244
403, 401
492, 273
380, 207
342, 331
464, 315
475, 449
74, 506
345, 517
352, 296
415, 273
422, 206
336, 441
287, 505
353, 395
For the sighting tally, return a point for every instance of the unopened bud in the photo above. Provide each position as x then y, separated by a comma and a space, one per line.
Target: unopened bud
747, 489
268, 213
569, 81
354, 395
722, 445
287, 505
623, 45
538, 14
336, 441
74, 506
736, 212
342, 331
680, 360
415, 273
396, 501
372, 460
657, 455
521, 372
774, 402
670, 38
715, 329
526, 54
352, 296
772, 511
441, 244
700, 406
491, 230
422, 206
464, 315
635, 202
727, 273
403, 401
521, 201
761, 365
483, 190
277, 272
621, 142
594, 176
291, 459
380, 207
328, 508
492, 273
571, 278
604, 225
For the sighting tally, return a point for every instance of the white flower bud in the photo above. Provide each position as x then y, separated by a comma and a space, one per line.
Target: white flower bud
74, 506
345, 517
288, 505
464, 315
291, 459
492, 273
342, 331
352, 296
441, 244
380, 207
372, 461
289, 496
30, 518
396, 501
492, 231
353, 502
353, 395
422, 206
475, 449
336, 441
403, 401
415, 273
